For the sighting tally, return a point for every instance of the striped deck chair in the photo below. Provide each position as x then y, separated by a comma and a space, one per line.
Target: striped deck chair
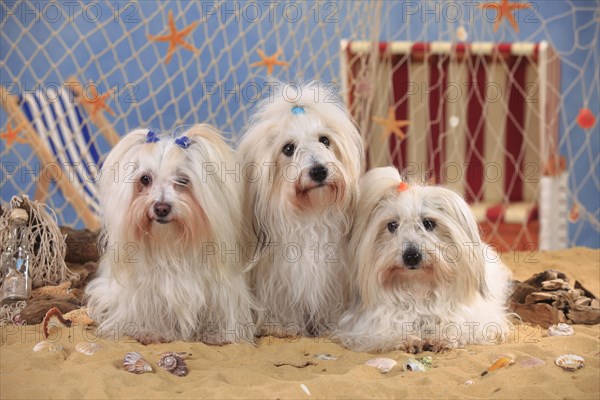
58, 130
482, 117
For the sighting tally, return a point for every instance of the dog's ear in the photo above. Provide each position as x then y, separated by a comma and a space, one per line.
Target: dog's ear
465, 221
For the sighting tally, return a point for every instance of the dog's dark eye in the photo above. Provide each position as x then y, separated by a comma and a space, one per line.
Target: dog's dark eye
145, 180
324, 140
288, 149
182, 180
428, 224
392, 226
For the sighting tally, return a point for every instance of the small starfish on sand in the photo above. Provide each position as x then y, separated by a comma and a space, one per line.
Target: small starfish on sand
97, 102
269, 61
175, 38
505, 9
391, 125
12, 135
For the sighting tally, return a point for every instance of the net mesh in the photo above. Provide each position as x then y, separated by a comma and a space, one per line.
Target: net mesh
108, 47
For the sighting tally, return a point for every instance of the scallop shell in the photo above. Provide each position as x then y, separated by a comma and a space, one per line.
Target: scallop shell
570, 362
174, 363
45, 345
560, 330
87, 348
134, 362
382, 364
52, 320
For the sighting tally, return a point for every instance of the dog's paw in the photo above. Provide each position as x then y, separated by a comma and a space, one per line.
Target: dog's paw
150, 339
415, 345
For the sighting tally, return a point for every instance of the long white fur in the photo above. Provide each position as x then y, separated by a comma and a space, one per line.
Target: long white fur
456, 296
164, 282
297, 252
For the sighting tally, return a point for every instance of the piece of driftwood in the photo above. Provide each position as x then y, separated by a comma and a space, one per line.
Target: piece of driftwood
36, 308
547, 298
81, 245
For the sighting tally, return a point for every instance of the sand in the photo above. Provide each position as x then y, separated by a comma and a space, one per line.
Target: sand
244, 371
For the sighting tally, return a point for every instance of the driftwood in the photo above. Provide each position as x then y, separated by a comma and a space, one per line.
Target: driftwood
81, 245
548, 298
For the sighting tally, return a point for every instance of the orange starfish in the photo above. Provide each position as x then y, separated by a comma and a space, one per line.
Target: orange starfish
392, 125
175, 38
12, 135
269, 61
97, 102
505, 9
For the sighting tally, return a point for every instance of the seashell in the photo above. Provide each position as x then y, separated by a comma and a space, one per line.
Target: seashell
305, 388
574, 294
174, 363
531, 362
134, 362
469, 382
45, 345
555, 284
560, 330
53, 319
570, 362
382, 364
499, 363
414, 365
583, 301
87, 348
537, 297
325, 357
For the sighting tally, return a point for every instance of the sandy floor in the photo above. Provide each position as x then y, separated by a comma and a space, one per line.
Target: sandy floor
243, 371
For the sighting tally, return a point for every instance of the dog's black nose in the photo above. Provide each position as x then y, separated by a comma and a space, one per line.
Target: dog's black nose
412, 257
162, 209
318, 173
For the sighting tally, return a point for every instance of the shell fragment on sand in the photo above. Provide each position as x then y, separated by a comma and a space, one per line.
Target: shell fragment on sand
45, 345
570, 362
87, 348
561, 329
325, 357
384, 365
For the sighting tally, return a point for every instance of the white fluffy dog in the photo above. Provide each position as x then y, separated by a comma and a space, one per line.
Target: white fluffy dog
301, 157
423, 280
167, 220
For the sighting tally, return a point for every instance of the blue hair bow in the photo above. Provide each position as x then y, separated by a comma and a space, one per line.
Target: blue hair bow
183, 142
151, 137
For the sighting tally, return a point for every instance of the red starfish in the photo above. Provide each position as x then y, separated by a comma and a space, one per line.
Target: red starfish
12, 135
97, 102
175, 37
269, 61
505, 9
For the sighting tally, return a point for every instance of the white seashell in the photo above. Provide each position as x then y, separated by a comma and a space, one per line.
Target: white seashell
469, 382
45, 345
134, 362
461, 33
305, 388
570, 362
87, 348
325, 357
413, 365
382, 364
560, 330
531, 362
